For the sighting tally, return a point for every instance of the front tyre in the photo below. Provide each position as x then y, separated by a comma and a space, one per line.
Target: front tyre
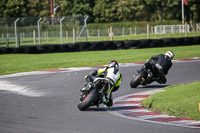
136, 80
88, 100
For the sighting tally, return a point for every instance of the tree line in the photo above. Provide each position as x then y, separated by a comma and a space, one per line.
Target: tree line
105, 10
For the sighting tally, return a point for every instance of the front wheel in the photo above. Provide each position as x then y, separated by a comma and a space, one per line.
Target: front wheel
136, 80
88, 100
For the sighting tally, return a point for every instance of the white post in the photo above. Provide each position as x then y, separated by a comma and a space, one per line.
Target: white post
54, 10
74, 36
15, 23
164, 29
23, 36
147, 31
38, 22
182, 3
67, 34
88, 33
197, 27
61, 35
186, 30
130, 30
85, 21
84, 27
155, 29
135, 30
34, 37
47, 36
98, 33
111, 34
123, 31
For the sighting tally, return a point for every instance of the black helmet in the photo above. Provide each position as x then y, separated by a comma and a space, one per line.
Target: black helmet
113, 63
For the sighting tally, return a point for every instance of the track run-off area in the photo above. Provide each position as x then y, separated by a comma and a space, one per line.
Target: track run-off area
45, 102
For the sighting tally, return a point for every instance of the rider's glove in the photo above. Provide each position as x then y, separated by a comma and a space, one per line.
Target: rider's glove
147, 61
86, 76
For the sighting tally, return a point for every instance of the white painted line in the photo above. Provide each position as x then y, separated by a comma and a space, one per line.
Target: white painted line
23, 74
134, 111
126, 108
78, 68
146, 117
126, 105
132, 99
129, 64
185, 122
21, 90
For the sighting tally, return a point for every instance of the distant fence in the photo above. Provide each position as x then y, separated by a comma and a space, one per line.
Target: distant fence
15, 32
164, 29
31, 30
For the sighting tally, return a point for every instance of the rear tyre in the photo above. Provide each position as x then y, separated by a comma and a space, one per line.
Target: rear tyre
136, 80
88, 101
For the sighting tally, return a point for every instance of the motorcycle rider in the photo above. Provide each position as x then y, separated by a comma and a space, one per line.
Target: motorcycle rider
112, 82
162, 63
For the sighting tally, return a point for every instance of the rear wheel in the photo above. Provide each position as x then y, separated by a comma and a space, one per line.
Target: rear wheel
136, 80
89, 100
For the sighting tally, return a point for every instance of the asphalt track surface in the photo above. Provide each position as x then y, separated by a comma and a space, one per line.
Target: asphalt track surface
46, 103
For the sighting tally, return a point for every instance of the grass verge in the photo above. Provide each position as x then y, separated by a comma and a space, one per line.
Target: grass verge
15, 63
177, 100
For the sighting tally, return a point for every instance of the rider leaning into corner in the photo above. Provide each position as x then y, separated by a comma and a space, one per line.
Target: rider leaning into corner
114, 78
162, 63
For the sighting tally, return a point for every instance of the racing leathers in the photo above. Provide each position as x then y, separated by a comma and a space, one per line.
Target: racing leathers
113, 79
160, 64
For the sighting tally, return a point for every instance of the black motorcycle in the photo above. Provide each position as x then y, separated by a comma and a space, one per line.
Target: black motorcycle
91, 93
144, 77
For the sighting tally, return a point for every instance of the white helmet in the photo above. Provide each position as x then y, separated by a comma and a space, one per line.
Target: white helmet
170, 54
113, 63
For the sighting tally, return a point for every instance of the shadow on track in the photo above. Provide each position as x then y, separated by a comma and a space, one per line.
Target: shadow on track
102, 109
97, 109
151, 86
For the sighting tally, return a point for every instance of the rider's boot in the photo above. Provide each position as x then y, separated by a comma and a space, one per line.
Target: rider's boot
106, 101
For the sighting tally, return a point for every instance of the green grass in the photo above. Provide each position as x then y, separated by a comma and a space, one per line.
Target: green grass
14, 63
177, 100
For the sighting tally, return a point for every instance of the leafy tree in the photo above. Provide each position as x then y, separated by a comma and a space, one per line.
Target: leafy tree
125, 9
77, 7
66, 7
2, 7
38, 8
194, 10
163, 9
13, 8
104, 11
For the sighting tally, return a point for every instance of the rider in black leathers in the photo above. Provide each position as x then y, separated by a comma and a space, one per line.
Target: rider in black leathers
160, 64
